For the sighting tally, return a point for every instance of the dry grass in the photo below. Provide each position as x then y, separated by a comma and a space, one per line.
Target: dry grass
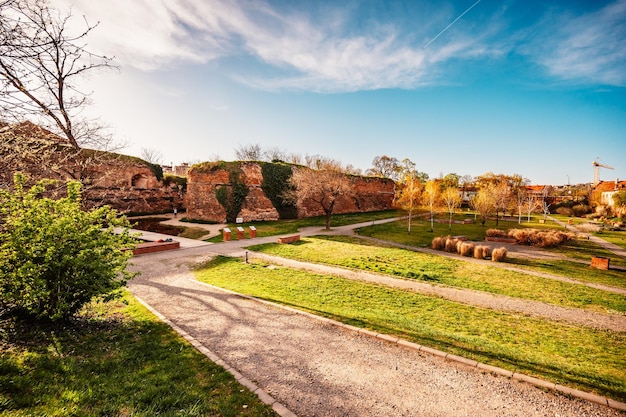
467, 249
451, 245
439, 243
499, 254
534, 237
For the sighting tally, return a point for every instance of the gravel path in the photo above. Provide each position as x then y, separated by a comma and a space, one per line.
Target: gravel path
317, 369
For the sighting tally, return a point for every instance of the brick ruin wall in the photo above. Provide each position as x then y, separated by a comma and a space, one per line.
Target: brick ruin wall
124, 183
370, 194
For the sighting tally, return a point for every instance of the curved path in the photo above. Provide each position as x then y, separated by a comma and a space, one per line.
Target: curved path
311, 367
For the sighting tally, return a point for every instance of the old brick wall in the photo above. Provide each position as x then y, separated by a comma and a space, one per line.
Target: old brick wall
371, 194
202, 204
122, 182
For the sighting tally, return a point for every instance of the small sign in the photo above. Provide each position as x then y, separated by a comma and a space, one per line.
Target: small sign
239, 220
240, 229
226, 230
252, 228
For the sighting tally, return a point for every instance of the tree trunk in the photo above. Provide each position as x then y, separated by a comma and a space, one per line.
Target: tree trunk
409, 231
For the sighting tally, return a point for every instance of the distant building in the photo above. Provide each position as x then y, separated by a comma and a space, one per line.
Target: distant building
178, 170
607, 189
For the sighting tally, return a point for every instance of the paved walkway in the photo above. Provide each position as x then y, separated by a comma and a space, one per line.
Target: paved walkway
617, 250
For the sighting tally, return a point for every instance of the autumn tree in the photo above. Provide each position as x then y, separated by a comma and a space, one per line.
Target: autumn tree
452, 200
42, 61
450, 180
321, 186
501, 193
408, 196
619, 202
431, 198
484, 202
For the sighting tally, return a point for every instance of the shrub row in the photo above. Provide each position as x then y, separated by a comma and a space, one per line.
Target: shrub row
469, 249
534, 237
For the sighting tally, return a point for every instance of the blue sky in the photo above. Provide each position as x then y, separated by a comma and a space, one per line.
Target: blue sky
514, 87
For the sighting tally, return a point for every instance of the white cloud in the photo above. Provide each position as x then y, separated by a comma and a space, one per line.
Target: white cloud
322, 52
590, 47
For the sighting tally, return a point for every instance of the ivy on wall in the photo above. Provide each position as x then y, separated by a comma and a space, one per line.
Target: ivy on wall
232, 196
275, 183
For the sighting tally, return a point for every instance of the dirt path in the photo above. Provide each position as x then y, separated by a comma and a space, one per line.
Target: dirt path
318, 369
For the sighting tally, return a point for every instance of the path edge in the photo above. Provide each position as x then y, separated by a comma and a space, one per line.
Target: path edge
279, 408
539, 383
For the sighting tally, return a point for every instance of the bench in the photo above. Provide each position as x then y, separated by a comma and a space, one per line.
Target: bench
151, 247
288, 239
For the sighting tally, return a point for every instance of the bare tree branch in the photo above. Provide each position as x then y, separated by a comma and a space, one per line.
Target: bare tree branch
41, 62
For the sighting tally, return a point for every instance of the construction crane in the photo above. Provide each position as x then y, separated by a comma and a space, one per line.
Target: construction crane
596, 170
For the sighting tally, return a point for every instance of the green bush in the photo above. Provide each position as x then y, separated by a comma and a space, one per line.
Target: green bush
55, 257
275, 184
232, 196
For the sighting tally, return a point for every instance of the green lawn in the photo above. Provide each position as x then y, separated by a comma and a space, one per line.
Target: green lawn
571, 355
356, 253
116, 360
421, 236
617, 237
583, 250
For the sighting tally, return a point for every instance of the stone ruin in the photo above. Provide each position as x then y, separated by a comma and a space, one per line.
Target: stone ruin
203, 181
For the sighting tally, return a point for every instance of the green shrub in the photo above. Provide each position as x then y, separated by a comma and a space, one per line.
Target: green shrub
275, 185
55, 257
232, 196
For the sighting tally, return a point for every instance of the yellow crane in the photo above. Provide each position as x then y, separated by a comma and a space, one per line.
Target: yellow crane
596, 170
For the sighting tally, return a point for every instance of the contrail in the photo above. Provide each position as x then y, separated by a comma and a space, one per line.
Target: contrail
453, 22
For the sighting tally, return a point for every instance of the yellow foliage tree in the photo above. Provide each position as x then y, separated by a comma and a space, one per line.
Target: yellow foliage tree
408, 196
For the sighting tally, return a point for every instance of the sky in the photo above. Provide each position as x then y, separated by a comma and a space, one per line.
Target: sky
536, 88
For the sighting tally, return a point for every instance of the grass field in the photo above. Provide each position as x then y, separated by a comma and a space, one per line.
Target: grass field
358, 254
116, 359
571, 355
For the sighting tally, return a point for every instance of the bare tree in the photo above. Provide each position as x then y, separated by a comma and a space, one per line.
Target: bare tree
319, 162
41, 61
322, 187
530, 204
251, 152
274, 154
386, 167
431, 198
152, 155
452, 200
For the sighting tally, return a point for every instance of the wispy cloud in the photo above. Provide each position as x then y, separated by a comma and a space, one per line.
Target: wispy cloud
587, 48
321, 51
